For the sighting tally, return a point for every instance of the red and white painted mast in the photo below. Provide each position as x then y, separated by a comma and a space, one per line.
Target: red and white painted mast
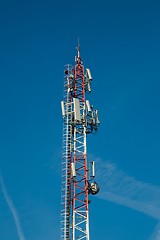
80, 119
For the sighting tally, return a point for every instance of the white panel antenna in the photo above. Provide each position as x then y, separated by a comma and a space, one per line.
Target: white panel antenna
88, 106
92, 169
97, 118
73, 171
77, 115
89, 87
62, 107
89, 74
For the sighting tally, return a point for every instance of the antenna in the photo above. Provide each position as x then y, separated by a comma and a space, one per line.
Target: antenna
78, 48
78, 58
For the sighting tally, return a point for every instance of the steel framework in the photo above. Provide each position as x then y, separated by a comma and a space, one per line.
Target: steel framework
79, 120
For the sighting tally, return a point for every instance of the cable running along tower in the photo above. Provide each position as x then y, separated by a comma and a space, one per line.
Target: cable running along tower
80, 119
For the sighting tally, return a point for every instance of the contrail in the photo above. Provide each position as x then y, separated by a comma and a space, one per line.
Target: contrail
13, 210
118, 187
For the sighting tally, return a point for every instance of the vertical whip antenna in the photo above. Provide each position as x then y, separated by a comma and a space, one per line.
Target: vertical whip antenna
78, 58
78, 48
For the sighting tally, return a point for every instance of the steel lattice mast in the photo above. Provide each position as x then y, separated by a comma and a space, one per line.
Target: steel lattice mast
77, 174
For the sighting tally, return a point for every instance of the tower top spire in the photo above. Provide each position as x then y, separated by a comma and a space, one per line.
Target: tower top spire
78, 58
78, 48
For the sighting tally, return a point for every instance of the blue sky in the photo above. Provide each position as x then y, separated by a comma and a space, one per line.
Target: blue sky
120, 43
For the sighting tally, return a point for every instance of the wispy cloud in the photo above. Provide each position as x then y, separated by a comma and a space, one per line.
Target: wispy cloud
156, 234
118, 187
12, 209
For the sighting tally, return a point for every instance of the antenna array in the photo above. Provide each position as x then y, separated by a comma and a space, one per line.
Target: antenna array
80, 119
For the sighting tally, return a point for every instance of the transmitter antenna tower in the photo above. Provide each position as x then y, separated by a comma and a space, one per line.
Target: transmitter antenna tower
79, 120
